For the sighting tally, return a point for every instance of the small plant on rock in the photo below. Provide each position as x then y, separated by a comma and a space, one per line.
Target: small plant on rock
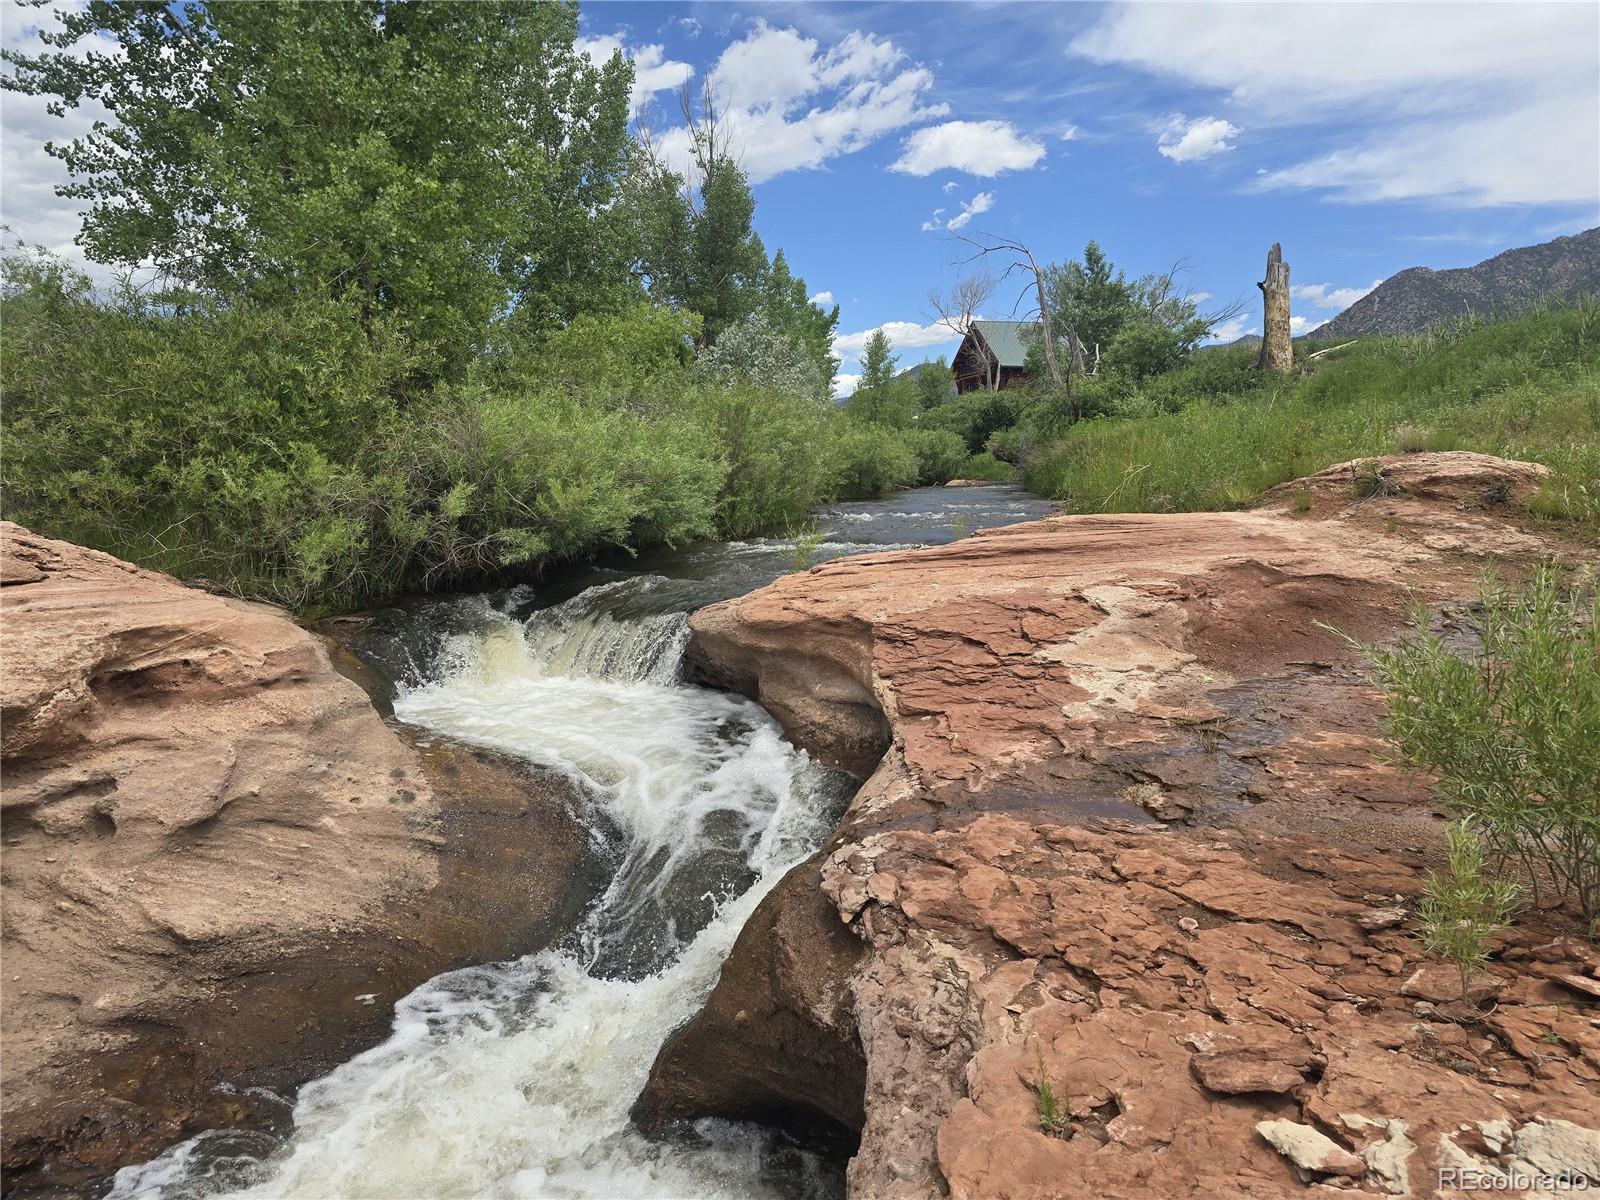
1462, 909
1302, 501
1512, 733
1052, 1109
1368, 482
959, 527
806, 540
1410, 439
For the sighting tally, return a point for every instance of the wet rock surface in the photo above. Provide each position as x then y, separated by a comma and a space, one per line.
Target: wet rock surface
221, 866
1131, 844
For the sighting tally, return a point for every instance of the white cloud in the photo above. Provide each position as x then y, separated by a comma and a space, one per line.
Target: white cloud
822, 298
1298, 325
949, 186
1475, 104
28, 201
981, 203
1188, 141
902, 335
934, 222
978, 147
1233, 329
1544, 153
844, 386
1321, 295
653, 71
787, 104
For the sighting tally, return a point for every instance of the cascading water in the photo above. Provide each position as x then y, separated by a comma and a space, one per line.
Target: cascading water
515, 1079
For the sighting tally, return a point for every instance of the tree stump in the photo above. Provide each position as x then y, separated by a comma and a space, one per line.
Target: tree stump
1277, 347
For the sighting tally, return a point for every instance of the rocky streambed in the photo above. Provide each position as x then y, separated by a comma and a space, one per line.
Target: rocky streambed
1124, 831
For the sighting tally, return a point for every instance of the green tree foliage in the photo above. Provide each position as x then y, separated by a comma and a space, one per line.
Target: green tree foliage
935, 385
880, 397
700, 252
757, 351
1138, 327
426, 162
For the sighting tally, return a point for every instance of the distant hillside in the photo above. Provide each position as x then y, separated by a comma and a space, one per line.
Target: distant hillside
1418, 298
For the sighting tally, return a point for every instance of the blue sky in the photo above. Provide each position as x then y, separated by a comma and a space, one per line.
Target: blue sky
1364, 137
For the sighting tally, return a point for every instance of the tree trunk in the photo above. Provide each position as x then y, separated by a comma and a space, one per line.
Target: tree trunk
1277, 348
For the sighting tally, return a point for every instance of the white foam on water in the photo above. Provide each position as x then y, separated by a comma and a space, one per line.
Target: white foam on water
515, 1079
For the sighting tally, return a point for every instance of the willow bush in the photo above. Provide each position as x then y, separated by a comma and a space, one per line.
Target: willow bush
1511, 730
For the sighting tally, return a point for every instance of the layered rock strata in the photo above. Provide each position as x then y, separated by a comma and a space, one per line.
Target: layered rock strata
1135, 887
221, 867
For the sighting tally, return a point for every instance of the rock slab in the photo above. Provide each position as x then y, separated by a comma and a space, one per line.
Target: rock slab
220, 865
1126, 829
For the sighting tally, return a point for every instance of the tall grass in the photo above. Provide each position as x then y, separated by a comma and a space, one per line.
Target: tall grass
1526, 388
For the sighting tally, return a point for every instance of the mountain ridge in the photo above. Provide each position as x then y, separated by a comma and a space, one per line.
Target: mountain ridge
1417, 298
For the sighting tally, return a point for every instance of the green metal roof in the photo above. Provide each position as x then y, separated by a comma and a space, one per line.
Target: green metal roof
1004, 339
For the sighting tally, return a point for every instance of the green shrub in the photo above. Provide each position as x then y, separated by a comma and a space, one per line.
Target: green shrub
871, 460
941, 455
1463, 909
1512, 733
777, 452
987, 466
973, 416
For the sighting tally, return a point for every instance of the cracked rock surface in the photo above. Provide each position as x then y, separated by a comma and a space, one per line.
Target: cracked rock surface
1127, 841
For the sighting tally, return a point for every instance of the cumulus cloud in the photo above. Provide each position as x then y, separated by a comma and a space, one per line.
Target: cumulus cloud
1188, 141
1499, 109
823, 298
1324, 296
844, 386
787, 103
934, 222
977, 147
1233, 329
902, 335
29, 203
1298, 325
981, 203
949, 186
653, 71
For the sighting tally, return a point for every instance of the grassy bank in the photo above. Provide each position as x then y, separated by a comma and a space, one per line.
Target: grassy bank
1525, 388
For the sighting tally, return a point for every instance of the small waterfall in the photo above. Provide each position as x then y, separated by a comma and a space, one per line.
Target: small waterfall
515, 1079
584, 637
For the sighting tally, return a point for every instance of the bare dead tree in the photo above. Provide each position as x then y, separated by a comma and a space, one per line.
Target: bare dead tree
959, 308
1017, 260
1277, 346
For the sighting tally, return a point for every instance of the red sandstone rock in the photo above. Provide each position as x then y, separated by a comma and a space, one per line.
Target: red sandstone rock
213, 846
1024, 699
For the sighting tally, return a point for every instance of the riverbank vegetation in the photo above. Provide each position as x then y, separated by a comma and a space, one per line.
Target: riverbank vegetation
406, 305
1214, 432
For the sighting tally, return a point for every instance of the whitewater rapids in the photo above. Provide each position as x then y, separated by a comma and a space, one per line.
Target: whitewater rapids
515, 1079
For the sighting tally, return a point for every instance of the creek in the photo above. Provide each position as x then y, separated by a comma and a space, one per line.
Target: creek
515, 1079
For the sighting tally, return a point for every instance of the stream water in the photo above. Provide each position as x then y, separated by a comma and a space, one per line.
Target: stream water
515, 1079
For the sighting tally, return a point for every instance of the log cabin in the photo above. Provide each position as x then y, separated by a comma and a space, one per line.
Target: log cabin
992, 356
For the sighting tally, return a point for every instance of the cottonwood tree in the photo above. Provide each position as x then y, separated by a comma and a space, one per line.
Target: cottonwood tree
433, 164
699, 248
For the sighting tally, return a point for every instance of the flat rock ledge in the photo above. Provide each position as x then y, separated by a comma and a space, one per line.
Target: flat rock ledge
220, 866
1127, 839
